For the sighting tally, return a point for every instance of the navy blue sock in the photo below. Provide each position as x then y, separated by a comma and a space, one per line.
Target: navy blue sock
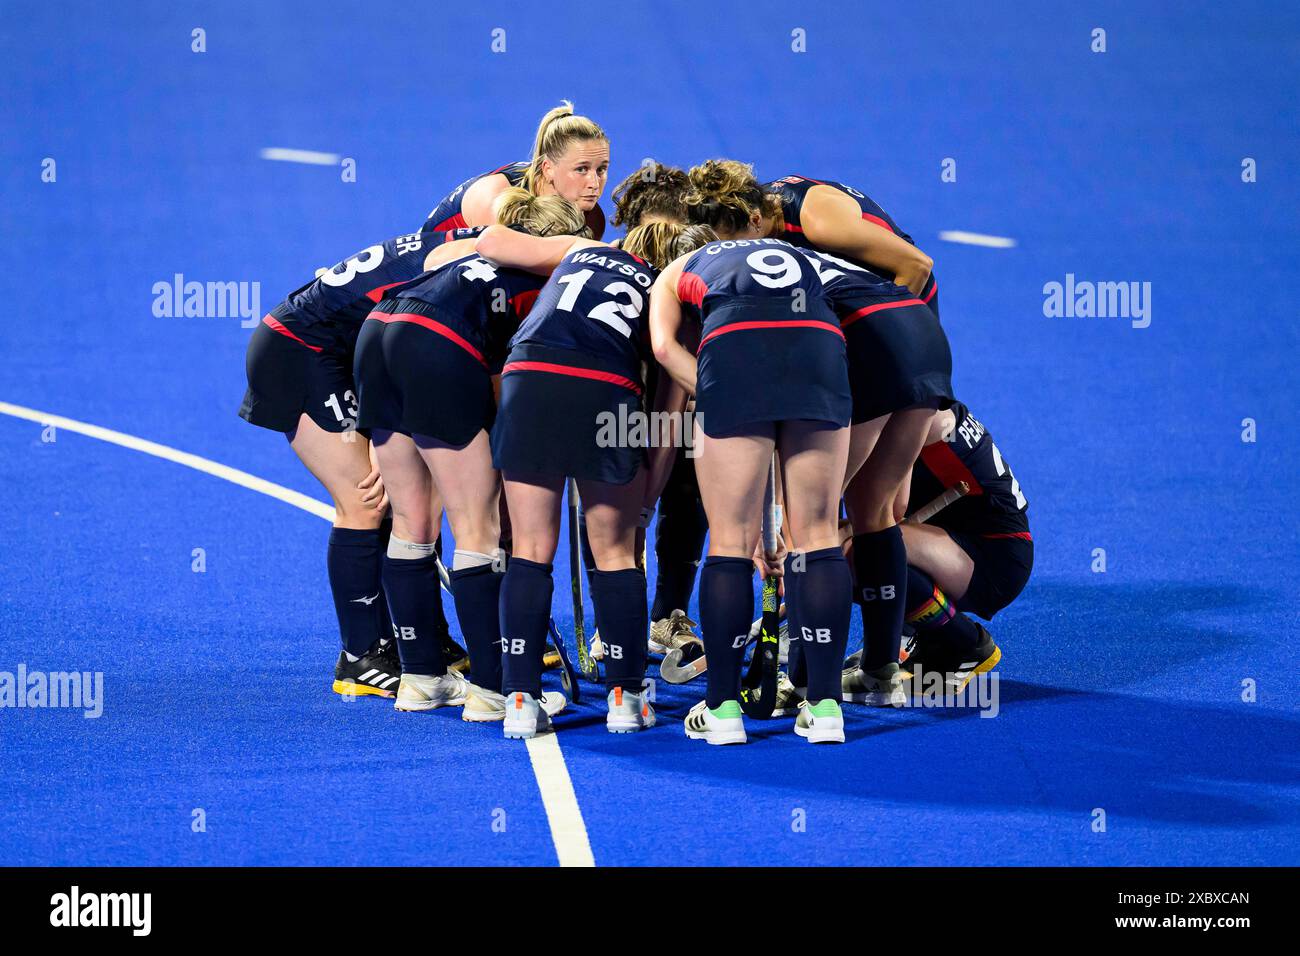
381, 606
796, 664
620, 600
439, 615
726, 610
679, 541
354, 560
822, 595
880, 570
935, 615
477, 594
525, 609
411, 586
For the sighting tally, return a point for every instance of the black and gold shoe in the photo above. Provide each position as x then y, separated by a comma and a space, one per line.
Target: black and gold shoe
375, 674
957, 666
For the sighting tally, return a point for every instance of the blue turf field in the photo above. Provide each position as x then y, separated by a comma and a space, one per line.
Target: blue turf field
1120, 690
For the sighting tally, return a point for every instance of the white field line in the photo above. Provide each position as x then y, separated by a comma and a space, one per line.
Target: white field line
568, 830
977, 239
309, 156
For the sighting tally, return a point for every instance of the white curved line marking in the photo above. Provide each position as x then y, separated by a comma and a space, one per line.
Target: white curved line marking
568, 830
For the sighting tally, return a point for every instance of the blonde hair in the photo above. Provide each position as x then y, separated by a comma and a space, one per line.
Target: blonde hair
540, 215
659, 243
558, 130
725, 194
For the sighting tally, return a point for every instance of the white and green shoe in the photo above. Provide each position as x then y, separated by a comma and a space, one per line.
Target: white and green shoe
820, 723
719, 726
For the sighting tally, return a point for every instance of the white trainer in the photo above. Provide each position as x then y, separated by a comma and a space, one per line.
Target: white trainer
628, 712
484, 706
425, 692
721, 726
820, 723
879, 688
526, 716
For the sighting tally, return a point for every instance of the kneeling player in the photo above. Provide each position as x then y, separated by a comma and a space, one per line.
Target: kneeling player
973, 556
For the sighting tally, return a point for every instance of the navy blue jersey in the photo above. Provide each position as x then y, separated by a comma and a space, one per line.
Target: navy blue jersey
854, 291
474, 303
995, 507
737, 284
328, 311
594, 304
794, 189
447, 215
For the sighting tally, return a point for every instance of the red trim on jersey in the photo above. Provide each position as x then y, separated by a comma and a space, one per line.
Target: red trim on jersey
791, 227
849, 320
374, 295
523, 302
433, 325
633, 254
1023, 535
784, 324
934, 287
455, 222
878, 221
948, 467
573, 370
277, 326
809, 179
691, 288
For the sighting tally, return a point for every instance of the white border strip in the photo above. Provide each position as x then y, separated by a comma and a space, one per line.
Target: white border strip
309, 156
568, 830
977, 239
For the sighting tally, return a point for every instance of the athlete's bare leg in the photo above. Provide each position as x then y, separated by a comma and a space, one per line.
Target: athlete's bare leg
340, 461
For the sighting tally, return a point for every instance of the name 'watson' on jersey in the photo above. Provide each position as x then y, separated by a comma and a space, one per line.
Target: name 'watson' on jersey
593, 303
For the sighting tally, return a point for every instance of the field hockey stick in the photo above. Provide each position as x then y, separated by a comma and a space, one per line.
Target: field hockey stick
685, 663
586, 663
758, 689
922, 515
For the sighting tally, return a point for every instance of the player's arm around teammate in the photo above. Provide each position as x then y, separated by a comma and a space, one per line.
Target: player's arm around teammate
424, 367
575, 366
770, 377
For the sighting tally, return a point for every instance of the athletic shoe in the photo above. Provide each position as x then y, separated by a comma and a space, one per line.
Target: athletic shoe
526, 717
721, 726
375, 674
628, 712
425, 692
908, 645
957, 667
453, 655
853, 661
483, 706
882, 687
820, 723
672, 631
788, 697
